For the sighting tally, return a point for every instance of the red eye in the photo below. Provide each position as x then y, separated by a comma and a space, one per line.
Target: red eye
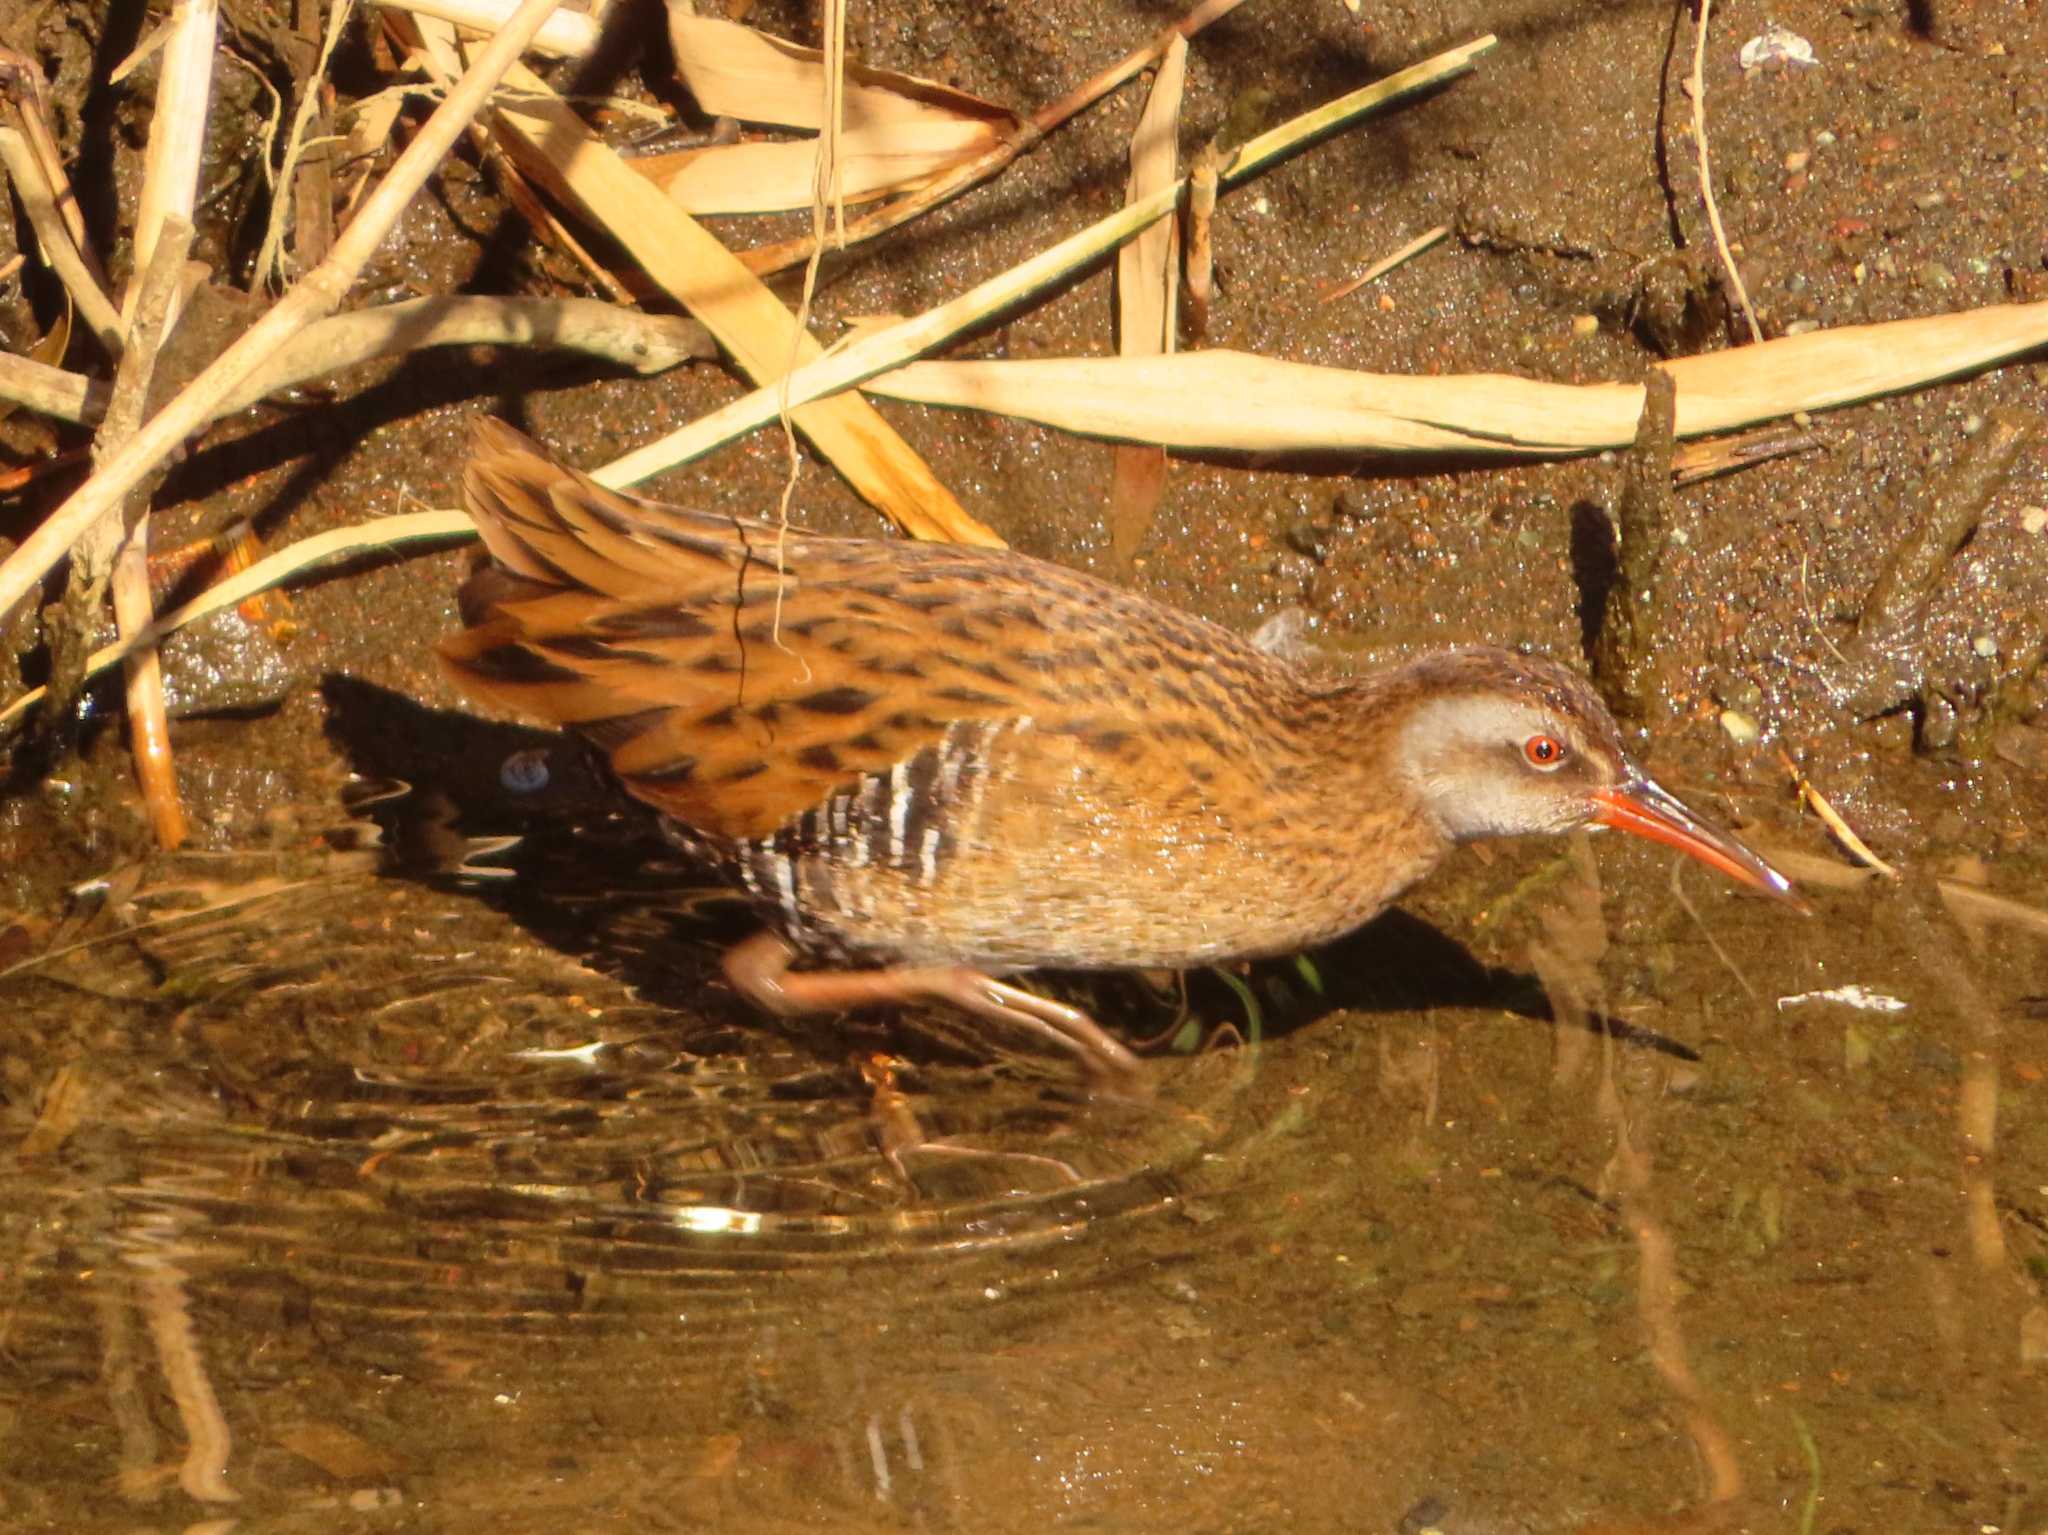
1543, 751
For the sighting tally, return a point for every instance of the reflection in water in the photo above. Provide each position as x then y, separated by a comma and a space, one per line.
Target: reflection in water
316, 1103
459, 1198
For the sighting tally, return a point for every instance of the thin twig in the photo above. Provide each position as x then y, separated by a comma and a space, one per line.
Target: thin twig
149, 733
1386, 264
1199, 264
1697, 89
1831, 818
319, 293
827, 194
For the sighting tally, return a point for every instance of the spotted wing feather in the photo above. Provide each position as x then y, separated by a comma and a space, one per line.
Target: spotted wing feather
729, 692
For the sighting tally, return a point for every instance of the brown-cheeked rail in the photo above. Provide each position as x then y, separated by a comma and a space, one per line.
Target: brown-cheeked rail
932, 767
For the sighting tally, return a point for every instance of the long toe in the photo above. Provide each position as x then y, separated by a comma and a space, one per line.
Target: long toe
1108, 1060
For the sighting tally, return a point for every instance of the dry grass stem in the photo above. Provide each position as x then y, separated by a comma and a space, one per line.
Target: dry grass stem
270, 256
1386, 264
177, 141
318, 294
1147, 281
1696, 88
849, 364
831, 177
155, 294
21, 79
63, 255
1842, 831
944, 188
273, 119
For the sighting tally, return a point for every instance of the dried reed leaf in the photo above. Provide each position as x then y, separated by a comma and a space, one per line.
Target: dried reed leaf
875, 160
1145, 267
1146, 273
735, 71
851, 364
1234, 401
566, 34
1824, 368
552, 145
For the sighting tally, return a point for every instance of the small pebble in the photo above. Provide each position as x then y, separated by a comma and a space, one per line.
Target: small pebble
525, 772
1927, 202
2033, 518
1743, 693
1973, 423
1306, 537
1822, 139
1796, 161
1932, 274
1985, 646
1585, 324
1741, 729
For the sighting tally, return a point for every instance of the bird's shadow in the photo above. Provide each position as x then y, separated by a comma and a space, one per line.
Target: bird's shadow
529, 822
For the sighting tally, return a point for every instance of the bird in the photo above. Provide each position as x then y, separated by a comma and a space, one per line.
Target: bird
932, 767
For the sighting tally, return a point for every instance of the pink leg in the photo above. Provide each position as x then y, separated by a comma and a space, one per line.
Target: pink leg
759, 969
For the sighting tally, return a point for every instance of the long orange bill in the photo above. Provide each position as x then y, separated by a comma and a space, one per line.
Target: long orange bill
1638, 805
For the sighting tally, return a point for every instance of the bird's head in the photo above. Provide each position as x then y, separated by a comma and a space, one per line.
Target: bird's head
1496, 744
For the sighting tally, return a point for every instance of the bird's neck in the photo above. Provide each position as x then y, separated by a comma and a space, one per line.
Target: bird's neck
1348, 796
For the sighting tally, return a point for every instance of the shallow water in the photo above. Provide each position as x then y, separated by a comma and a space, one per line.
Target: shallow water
336, 1198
